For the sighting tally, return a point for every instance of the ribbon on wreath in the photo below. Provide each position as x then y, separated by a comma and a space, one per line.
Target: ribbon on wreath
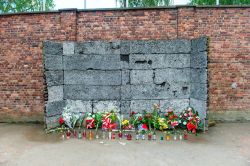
90, 123
106, 122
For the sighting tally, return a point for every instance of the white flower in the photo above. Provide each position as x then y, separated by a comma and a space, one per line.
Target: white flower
185, 114
179, 121
184, 122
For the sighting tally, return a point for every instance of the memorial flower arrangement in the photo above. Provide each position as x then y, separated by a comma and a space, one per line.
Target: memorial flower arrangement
187, 120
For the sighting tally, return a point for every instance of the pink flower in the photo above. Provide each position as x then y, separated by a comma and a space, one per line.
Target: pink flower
174, 123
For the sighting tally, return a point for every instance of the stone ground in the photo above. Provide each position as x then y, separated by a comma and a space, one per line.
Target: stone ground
226, 144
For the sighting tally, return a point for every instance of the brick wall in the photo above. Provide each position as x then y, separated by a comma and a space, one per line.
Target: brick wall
21, 36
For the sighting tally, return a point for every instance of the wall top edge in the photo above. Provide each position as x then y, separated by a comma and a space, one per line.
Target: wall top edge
125, 9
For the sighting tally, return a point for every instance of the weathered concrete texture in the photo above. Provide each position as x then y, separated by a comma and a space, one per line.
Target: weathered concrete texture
55, 93
171, 76
52, 48
199, 44
92, 77
52, 62
141, 77
68, 48
177, 104
98, 47
161, 46
159, 61
90, 62
199, 75
82, 92
52, 122
200, 106
199, 91
198, 60
165, 91
54, 108
54, 78
106, 106
141, 105
79, 106
125, 75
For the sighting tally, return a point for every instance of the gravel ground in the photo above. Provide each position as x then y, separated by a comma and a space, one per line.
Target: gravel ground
227, 144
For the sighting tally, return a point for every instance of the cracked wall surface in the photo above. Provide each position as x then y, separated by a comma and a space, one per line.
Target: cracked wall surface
125, 75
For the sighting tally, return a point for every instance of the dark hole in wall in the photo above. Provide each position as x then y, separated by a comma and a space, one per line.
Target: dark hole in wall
141, 62
124, 58
150, 62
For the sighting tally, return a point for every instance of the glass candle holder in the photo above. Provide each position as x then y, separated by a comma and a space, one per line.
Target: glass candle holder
79, 135
109, 135
103, 134
120, 134
97, 135
113, 135
75, 133
91, 135
168, 137
149, 136
68, 134
162, 138
84, 134
185, 135
129, 137
175, 136
137, 136
180, 136
154, 136
143, 136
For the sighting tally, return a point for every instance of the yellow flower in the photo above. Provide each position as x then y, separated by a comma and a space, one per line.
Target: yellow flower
125, 122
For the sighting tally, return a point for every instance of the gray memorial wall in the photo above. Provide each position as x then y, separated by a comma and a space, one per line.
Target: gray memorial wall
125, 75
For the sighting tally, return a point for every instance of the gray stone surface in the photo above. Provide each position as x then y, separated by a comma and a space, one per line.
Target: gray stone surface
92, 77
106, 106
199, 44
177, 104
85, 62
199, 75
125, 107
141, 105
154, 61
149, 92
171, 76
160, 46
199, 91
200, 106
79, 106
53, 62
81, 92
55, 93
125, 47
52, 48
54, 108
68, 48
98, 47
125, 77
141, 77
54, 78
198, 60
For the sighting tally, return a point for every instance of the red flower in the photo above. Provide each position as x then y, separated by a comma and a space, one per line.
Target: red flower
61, 121
191, 127
140, 118
132, 113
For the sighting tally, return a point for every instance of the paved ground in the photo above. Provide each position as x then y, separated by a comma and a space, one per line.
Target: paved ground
27, 145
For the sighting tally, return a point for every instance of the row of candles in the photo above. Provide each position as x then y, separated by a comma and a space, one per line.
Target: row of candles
89, 135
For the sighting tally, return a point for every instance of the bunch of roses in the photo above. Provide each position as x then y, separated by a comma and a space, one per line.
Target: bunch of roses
171, 118
189, 119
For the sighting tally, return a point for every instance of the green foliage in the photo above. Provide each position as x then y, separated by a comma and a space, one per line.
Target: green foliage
144, 3
13, 6
222, 2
